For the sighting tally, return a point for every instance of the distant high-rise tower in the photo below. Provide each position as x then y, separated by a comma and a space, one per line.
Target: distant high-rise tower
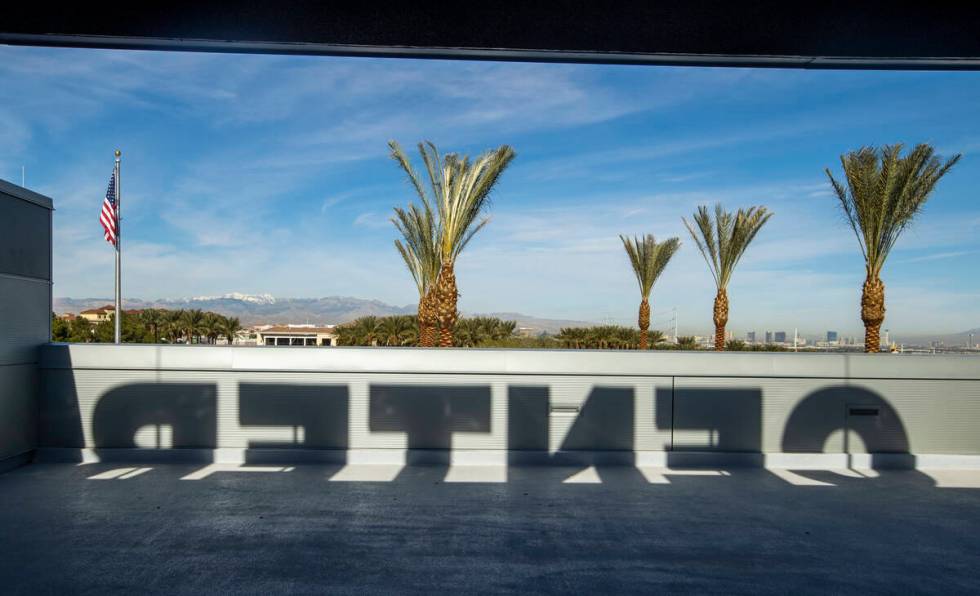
780, 337
750, 337
831, 337
768, 337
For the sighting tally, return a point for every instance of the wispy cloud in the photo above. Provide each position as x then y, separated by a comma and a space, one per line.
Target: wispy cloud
271, 174
939, 256
372, 220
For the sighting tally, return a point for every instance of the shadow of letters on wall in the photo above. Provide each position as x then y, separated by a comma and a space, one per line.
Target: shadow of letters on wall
181, 415
604, 422
317, 415
711, 419
429, 414
812, 424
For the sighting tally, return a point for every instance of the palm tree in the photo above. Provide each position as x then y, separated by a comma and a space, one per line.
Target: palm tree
735, 345
172, 325
477, 331
498, 329
211, 324
687, 342
722, 243
572, 337
347, 335
153, 318
649, 260
190, 320
230, 328
468, 333
884, 192
360, 332
418, 228
460, 191
398, 330
407, 330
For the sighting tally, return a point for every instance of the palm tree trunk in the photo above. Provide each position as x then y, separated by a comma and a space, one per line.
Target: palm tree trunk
447, 296
644, 323
427, 320
872, 312
423, 330
721, 318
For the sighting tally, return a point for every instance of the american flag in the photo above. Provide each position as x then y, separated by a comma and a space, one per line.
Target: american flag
109, 218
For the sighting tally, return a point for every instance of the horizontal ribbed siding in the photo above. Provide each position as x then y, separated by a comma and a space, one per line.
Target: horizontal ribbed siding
368, 410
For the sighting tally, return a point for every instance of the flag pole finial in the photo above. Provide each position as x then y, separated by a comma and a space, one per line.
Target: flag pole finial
118, 152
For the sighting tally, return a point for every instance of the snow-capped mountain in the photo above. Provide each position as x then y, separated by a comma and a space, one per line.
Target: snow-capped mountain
252, 309
264, 308
253, 298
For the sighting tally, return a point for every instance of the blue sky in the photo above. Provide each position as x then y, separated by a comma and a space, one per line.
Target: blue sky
270, 174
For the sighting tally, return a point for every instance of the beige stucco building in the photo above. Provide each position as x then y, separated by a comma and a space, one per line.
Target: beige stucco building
97, 315
295, 335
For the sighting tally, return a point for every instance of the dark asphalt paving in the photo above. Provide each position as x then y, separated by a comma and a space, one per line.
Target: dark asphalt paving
295, 532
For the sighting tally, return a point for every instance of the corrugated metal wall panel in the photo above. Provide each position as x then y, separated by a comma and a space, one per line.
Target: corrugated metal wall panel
25, 243
380, 410
938, 416
384, 410
24, 319
744, 415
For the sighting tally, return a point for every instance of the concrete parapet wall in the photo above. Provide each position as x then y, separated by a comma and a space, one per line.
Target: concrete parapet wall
505, 405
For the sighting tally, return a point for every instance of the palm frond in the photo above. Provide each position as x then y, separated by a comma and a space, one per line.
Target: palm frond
466, 188
723, 239
649, 258
419, 231
884, 192
458, 193
399, 156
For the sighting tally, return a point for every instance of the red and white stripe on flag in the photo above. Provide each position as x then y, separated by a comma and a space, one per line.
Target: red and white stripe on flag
109, 217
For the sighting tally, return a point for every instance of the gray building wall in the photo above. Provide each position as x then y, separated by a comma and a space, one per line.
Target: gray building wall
548, 403
25, 315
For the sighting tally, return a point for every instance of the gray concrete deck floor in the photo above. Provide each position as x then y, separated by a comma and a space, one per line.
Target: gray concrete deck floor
190, 529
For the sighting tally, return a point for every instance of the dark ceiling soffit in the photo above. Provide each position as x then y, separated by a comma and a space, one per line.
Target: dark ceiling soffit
511, 55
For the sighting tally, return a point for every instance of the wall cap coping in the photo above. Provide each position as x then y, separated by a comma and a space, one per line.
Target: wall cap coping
461, 361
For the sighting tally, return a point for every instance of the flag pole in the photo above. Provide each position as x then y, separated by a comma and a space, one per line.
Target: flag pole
118, 330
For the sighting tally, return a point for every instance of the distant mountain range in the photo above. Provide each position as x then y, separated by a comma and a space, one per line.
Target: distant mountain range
332, 310
264, 308
962, 338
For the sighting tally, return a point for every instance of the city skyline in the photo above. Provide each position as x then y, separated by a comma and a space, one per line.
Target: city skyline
269, 174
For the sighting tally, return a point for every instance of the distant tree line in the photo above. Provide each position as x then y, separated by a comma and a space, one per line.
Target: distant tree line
491, 332
194, 326
616, 337
736, 345
153, 325
403, 330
